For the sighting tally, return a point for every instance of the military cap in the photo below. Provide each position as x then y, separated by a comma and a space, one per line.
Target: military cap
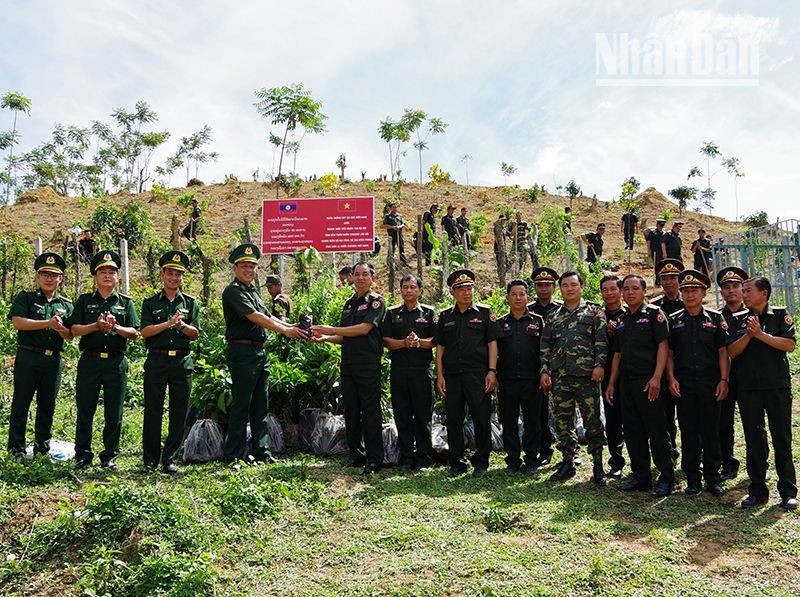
660, 221
678, 223
393, 204
460, 277
245, 252
270, 280
451, 206
544, 274
692, 278
601, 225
50, 262
105, 259
669, 267
175, 260
434, 206
731, 274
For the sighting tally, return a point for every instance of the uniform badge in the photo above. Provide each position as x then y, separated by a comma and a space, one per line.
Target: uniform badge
107, 257
435, 319
248, 250
50, 259
492, 317
723, 324
376, 304
176, 258
788, 319
660, 317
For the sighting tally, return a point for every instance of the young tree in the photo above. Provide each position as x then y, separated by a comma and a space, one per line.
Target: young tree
413, 121
395, 133
732, 166
190, 152
276, 142
573, 190
466, 158
341, 163
150, 142
507, 170
290, 107
682, 196
16, 102
633, 182
128, 143
292, 147
627, 193
59, 162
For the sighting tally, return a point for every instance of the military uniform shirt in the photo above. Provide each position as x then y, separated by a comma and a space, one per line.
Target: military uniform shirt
393, 220
672, 243
761, 367
543, 310
398, 323
656, 238
238, 301
611, 315
462, 223
465, 337
575, 341
629, 222
364, 350
449, 225
518, 348
637, 337
158, 309
667, 305
428, 218
695, 340
595, 248
88, 308
522, 232
34, 305
281, 306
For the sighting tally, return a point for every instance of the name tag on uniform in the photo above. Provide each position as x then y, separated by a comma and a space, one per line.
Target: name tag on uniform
678, 326
643, 320
449, 324
709, 325
362, 307
533, 326
476, 320
420, 320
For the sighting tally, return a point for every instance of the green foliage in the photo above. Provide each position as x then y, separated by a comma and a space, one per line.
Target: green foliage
161, 193
185, 200
507, 170
666, 213
437, 176
477, 226
531, 195
627, 194
682, 195
496, 520
573, 190
110, 224
290, 184
39, 471
756, 220
369, 186
16, 256
328, 183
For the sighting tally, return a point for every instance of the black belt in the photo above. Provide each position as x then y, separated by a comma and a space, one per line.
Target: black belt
170, 353
104, 355
49, 352
247, 342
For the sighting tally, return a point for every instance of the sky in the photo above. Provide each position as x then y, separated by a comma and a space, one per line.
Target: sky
557, 89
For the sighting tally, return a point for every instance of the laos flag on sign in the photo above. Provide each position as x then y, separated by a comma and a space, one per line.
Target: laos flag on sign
288, 207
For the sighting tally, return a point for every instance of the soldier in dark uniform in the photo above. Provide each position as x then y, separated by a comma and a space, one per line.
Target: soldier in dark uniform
466, 371
654, 238
38, 317
170, 321
428, 220
698, 370
190, 231
450, 227
765, 387
104, 320
544, 285
594, 243
246, 319
394, 225
730, 280
517, 365
281, 303
669, 302
346, 276
640, 348
362, 348
611, 289
407, 331
462, 222
629, 226
671, 243
574, 352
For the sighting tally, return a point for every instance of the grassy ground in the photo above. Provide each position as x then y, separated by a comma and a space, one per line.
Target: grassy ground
307, 526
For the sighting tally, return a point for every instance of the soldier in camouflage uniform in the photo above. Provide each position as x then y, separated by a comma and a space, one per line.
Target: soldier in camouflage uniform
574, 349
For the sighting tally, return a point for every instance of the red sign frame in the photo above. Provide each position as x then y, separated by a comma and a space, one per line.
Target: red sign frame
329, 224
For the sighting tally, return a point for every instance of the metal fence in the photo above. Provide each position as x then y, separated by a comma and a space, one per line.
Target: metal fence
772, 251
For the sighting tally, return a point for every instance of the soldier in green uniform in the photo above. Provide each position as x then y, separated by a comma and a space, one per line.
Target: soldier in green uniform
519, 247
730, 280
170, 321
466, 371
611, 290
394, 225
698, 376
359, 334
544, 285
407, 331
104, 320
640, 348
38, 316
667, 270
573, 358
765, 387
246, 318
281, 303
517, 368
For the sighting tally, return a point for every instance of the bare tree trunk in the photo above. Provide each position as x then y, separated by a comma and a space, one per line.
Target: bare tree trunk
176, 233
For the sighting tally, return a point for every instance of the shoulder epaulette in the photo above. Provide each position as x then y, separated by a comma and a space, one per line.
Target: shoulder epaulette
742, 312
592, 304
374, 295
781, 308
677, 314
504, 315
712, 311
428, 307
395, 308
653, 307
125, 296
189, 296
482, 306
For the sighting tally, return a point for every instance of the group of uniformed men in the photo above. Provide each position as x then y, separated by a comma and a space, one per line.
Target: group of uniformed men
545, 359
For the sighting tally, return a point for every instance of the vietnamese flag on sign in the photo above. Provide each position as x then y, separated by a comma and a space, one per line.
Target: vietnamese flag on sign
347, 205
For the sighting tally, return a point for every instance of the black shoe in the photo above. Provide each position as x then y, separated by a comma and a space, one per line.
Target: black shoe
564, 472
634, 485
729, 473
82, 463
789, 503
692, 489
479, 472
753, 501
455, 471
599, 475
512, 469
662, 489
110, 464
545, 459
371, 469
148, 468
267, 459
615, 474
170, 468
530, 469
715, 489
351, 461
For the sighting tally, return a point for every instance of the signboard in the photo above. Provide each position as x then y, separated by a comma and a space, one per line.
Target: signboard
329, 224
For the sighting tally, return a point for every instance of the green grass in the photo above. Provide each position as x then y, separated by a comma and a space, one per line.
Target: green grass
307, 526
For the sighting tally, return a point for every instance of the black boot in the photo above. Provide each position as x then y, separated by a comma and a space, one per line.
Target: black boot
565, 471
598, 474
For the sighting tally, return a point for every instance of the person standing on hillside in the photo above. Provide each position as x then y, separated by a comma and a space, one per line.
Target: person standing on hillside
38, 316
594, 243
190, 231
671, 243
765, 388
466, 371
611, 290
520, 241
629, 226
359, 334
246, 319
463, 222
701, 247
170, 321
654, 237
428, 231
450, 227
407, 331
394, 225
573, 358
104, 320
281, 303
517, 372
